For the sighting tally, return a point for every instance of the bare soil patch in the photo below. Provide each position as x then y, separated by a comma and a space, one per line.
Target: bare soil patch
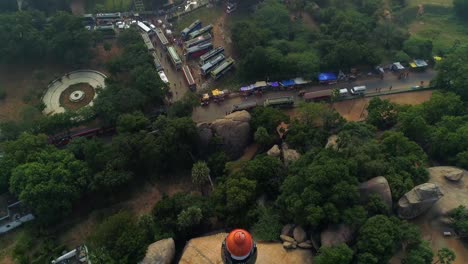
101, 57
355, 110
25, 82
69, 105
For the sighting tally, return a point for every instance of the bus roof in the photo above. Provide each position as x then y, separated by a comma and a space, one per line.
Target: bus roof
223, 65
188, 75
318, 94
173, 54
279, 100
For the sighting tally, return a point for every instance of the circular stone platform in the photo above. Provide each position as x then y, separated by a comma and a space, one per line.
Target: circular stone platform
77, 96
51, 98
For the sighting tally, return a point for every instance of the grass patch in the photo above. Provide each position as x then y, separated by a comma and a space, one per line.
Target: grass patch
430, 2
108, 5
207, 15
230, 81
443, 30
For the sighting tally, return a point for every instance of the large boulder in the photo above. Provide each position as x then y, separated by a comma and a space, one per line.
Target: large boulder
160, 252
286, 238
378, 186
299, 234
288, 230
418, 200
453, 174
289, 155
274, 151
335, 235
233, 129
332, 142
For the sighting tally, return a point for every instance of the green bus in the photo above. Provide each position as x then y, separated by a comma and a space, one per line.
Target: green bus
224, 67
287, 101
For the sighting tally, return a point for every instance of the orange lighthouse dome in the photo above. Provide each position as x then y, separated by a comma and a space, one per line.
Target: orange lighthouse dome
239, 243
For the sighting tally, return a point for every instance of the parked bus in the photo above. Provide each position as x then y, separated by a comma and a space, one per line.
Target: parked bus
148, 42
287, 101
104, 18
201, 31
222, 68
247, 106
162, 38
197, 51
144, 27
194, 26
189, 78
210, 55
107, 31
198, 40
317, 96
211, 65
174, 57
156, 62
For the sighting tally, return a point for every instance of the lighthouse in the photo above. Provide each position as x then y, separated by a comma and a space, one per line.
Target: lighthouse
239, 248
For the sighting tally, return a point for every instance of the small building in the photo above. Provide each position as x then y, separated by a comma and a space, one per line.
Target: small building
16, 215
77, 256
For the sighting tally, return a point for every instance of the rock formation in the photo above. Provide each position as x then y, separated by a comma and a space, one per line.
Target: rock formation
289, 155
208, 250
418, 200
274, 151
160, 252
299, 234
233, 129
288, 230
335, 235
453, 174
379, 186
332, 142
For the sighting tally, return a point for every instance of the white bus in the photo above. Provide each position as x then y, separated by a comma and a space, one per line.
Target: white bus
144, 27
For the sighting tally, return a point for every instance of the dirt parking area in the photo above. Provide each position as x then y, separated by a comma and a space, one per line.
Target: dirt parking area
355, 110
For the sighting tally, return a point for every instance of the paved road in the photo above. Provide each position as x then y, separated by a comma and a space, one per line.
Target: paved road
215, 111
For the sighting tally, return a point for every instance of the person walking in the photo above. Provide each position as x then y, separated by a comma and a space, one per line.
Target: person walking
390, 87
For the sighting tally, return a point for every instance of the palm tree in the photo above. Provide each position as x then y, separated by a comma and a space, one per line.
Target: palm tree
201, 174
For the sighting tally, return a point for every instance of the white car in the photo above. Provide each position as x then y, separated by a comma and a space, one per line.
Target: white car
163, 77
152, 26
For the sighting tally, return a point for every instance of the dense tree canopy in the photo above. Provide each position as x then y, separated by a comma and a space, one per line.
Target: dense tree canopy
45, 178
61, 38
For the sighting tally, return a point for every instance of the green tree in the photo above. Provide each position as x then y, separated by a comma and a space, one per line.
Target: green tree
461, 8
269, 118
382, 113
418, 48
189, 217
338, 254
130, 123
377, 240
459, 216
50, 183
450, 75
445, 256
118, 239
268, 172
420, 254
268, 225
107, 46
201, 174
262, 137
